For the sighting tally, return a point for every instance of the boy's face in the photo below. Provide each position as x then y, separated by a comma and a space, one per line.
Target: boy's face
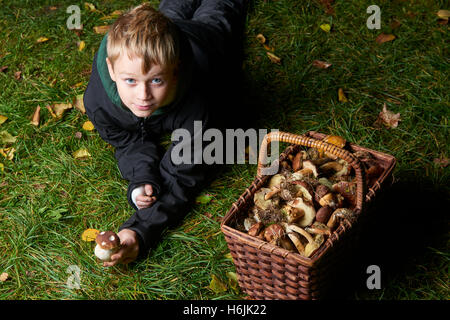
142, 93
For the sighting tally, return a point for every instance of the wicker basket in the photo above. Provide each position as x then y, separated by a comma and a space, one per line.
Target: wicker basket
266, 271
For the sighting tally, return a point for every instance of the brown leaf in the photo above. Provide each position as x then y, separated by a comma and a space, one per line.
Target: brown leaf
321, 64
443, 14
101, 29
395, 24
4, 276
382, 38
79, 104
443, 162
4, 69
273, 58
36, 116
261, 38
60, 108
8, 153
388, 118
52, 113
443, 22
17, 75
341, 95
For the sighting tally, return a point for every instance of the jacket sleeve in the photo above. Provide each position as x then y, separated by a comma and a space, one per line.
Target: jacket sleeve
181, 182
137, 157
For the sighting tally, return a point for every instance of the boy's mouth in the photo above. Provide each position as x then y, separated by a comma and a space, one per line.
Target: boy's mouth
144, 108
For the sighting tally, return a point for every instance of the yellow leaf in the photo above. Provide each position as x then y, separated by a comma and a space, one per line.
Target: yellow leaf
52, 113
41, 39
81, 45
443, 14
60, 108
4, 276
90, 7
341, 95
88, 126
217, 285
233, 281
6, 137
3, 119
89, 235
79, 104
273, 58
2, 167
101, 29
8, 153
81, 154
325, 27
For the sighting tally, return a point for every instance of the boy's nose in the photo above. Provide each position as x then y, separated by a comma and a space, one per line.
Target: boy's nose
145, 93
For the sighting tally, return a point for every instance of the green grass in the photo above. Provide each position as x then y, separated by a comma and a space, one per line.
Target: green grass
48, 198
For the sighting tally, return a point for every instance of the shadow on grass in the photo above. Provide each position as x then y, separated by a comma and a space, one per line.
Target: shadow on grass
403, 224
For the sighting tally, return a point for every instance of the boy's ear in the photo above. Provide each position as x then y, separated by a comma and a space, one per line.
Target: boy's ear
111, 70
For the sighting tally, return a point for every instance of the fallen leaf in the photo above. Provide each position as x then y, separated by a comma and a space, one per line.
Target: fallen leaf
6, 137
8, 153
273, 58
81, 45
321, 64
341, 95
78, 135
382, 38
268, 48
52, 113
90, 7
41, 39
217, 285
17, 75
443, 162
60, 108
325, 27
36, 116
3, 119
388, 118
443, 22
4, 276
3, 68
77, 85
89, 235
81, 154
233, 281
203, 198
2, 167
328, 6
88, 126
261, 38
79, 103
394, 24
443, 14
101, 29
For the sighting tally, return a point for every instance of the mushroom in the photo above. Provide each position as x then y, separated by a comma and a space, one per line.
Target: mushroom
297, 162
108, 243
273, 233
339, 167
255, 229
313, 243
292, 214
321, 190
248, 223
276, 180
295, 238
328, 200
319, 228
309, 165
307, 208
324, 214
261, 202
275, 190
340, 213
325, 182
347, 190
304, 190
286, 243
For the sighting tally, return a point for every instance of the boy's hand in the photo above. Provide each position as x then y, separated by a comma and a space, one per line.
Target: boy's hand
145, 200
129, 248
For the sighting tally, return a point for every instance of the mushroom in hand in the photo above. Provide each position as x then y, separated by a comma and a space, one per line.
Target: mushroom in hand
108, 243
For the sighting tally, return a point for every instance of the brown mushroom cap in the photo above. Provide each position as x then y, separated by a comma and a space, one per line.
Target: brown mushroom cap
321, 190
255, 229
307, 208
107, 240
297, 162
324, 214
274, 231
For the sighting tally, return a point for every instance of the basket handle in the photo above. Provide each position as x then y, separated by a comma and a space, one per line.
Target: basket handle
314, 143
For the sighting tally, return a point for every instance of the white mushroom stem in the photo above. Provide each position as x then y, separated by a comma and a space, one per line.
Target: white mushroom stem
296, 241
272, 192
293, 227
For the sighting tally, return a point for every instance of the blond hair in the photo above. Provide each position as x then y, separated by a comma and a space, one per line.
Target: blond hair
146, 33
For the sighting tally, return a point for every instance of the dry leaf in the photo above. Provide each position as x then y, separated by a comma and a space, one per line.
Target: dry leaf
52, 113
341, 95
261, 38
36, 116
3, 119
17, 75
113, 15
79, 104
321, 64
217, 285
325, 27
60, 108
81, 154
395, 24
90, 7
89, 235
3, 68
443, 14
443, 22
2, 167
388, 118
6, 137
4, 276
233, 281
273, 58
41, 39
443, 162
81, 45
101, 29
78, 135
382, 38
8, 153
88, 126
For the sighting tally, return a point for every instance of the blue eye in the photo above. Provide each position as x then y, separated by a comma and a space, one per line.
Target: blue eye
156, 81
130, 81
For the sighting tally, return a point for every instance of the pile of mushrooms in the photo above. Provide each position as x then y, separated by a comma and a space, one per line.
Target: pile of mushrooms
307, 200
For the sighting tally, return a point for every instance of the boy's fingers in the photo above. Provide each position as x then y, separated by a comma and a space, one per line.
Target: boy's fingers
148, 189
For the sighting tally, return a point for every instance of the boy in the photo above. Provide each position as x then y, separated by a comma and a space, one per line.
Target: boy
155, 72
